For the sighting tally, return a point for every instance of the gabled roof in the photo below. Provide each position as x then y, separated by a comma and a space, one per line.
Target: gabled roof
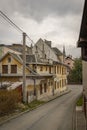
55, 50
16, 56
20, 59
40, 40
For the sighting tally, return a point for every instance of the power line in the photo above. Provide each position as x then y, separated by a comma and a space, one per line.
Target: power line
10, 21
16, 27
30, 39
4, 16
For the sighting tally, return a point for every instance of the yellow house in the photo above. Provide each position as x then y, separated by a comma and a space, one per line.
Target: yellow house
11, 67
37, 82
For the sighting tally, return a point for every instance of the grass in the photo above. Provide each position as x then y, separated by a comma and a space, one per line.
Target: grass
80, 101
35, 103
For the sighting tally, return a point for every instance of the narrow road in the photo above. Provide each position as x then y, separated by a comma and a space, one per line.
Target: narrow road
55, 115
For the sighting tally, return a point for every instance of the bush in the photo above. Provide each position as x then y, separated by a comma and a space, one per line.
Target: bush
80, 101
8, 101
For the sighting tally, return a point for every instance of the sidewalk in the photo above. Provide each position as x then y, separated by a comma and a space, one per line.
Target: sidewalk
80, 119
52, 97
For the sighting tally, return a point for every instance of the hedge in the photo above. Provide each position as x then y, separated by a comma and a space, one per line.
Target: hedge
9, 101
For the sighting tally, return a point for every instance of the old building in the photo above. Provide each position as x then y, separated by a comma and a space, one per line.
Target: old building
69, 61
46, 53
38, 79
82, 42
45, 71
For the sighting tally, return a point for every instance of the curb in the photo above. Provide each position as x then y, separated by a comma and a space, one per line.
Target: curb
21, 113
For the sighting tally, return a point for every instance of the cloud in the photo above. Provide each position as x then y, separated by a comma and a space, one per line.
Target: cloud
40, 9
55, 20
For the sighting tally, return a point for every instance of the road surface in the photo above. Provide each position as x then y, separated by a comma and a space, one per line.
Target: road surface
55, 115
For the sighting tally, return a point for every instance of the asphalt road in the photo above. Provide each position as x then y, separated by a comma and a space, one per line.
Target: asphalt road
55, 115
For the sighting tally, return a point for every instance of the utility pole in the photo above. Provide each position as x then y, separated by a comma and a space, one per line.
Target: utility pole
24, 68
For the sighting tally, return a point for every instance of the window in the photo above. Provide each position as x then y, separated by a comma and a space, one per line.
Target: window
41, 68
58, 85
9, 59
41, 89
50, 70
55, 69
5, 69
13, 68
46, 68
45, 87
55, 84
51, 83
45, 56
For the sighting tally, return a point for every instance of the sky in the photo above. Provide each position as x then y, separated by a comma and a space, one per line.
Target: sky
58, 21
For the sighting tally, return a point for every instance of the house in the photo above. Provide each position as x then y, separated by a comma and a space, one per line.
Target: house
38, 82
69, 61
46, 53
82, 42
46, 74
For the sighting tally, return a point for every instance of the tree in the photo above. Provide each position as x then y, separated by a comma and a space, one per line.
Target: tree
75, 75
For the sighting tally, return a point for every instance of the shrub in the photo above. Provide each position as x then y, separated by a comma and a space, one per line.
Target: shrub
80, 101
8, 101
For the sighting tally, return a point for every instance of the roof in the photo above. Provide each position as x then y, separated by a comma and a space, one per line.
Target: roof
83, 28
57, 51
56, 62
14, 85
69, 57
29, 58
40, 40
48, 43
16, 56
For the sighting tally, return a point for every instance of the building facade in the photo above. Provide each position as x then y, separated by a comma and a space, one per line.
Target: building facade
45, 73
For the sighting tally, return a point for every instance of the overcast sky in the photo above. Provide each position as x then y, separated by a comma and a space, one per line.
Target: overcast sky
55, 20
